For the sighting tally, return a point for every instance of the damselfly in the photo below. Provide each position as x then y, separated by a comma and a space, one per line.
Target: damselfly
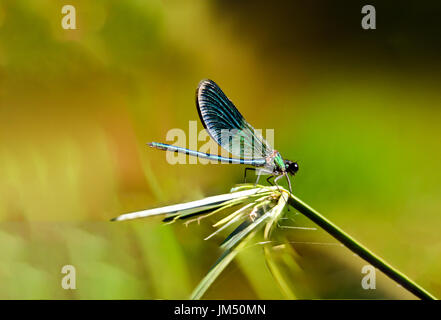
232, 132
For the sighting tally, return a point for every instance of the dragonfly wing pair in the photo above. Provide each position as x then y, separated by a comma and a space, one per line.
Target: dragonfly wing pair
225, 124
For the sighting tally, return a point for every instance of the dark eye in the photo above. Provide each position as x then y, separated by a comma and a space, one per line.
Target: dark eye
293, 167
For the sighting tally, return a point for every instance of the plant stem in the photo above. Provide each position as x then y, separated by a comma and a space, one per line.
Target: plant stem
359, 249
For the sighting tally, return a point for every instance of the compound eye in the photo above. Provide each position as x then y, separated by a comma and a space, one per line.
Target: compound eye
293, 167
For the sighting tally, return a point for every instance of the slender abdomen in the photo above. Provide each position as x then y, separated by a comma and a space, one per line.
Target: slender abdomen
167, 147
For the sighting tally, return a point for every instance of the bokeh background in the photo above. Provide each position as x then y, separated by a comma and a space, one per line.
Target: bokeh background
359, 110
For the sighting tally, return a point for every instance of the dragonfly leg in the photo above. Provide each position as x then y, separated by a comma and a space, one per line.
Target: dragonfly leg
245, 174
275, 182
259, 172
289, 182
263, 171
269, 180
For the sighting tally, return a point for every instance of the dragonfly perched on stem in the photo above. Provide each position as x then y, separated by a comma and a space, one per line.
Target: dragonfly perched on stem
232, 132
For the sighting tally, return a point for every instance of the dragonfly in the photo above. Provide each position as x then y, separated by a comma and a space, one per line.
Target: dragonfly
229, 129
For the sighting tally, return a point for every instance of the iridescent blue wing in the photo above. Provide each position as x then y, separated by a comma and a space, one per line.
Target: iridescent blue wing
226, 125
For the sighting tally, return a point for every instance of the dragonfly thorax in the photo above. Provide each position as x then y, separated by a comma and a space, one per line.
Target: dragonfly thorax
279, 163
280, 166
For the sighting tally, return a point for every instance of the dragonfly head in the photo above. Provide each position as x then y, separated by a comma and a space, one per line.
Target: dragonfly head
291, 167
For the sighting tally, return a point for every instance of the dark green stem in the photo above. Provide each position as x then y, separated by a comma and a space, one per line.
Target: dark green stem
360, 250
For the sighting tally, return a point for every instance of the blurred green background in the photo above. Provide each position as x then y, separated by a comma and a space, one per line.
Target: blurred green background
358, 109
